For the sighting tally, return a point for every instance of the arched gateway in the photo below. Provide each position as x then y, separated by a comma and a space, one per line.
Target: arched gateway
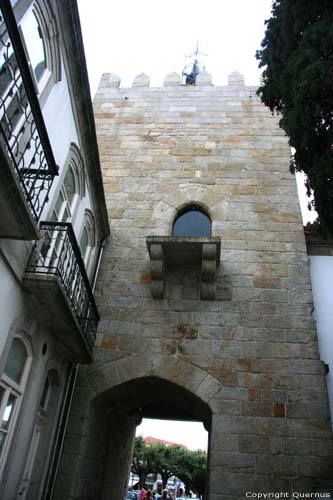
215, 327
102, 429
125, 405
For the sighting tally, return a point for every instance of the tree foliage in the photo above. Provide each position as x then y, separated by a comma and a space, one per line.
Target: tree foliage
141, 461
191, 469
188, 466
165, 460
297, 57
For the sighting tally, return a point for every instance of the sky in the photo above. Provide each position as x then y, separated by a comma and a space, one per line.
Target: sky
191, 434
154, 37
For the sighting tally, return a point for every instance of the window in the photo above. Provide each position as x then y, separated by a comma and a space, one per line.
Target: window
192, 221
13, 99
39, 34
73, 187
12, 385
84, 241
34, 40
38, 29
88, 239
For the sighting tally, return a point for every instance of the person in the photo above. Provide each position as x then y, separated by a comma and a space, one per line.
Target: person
165, 495
149, 495
155, 495
142, 494
180, 494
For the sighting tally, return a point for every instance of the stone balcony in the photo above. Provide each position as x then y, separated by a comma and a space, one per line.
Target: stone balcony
178, 251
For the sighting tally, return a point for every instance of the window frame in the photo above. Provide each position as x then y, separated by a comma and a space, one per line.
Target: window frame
42, 83
75, 164
14, 89
12, 387
192, 207
48, 24
89, 224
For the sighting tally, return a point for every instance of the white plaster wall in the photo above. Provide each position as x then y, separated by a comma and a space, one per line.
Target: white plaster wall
321, 270
60, 124
11, 300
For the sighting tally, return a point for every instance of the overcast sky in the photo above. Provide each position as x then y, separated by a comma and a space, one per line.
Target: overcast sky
154, 37
191, 434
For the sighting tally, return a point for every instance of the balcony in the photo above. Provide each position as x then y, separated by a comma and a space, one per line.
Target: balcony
166, 252
61, 290
27, 163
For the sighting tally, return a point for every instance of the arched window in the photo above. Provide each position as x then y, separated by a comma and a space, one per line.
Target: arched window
88, 239
72, 189
192, 221
39, 34
34, 39
12, 386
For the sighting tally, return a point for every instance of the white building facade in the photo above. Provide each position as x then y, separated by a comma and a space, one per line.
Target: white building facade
320, 253
52, 231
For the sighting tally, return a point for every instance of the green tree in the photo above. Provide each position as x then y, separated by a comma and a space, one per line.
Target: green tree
297, 57
141, 461
165, 460
191, 468
168, 461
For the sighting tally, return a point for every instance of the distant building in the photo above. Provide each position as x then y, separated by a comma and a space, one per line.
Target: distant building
151, 440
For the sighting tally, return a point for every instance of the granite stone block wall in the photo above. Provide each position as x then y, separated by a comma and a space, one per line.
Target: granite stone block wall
251, 353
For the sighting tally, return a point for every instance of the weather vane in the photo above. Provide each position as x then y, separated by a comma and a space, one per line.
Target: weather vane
193, 66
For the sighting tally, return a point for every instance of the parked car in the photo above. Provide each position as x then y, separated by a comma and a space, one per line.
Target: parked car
133, 495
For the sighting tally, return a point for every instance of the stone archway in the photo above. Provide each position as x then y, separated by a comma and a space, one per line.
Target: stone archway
125, 405
171, 368
108, 404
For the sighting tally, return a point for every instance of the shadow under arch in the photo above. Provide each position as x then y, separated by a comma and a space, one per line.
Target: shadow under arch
120, 409
154, 397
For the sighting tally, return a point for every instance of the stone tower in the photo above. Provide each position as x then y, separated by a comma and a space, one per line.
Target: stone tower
217, 327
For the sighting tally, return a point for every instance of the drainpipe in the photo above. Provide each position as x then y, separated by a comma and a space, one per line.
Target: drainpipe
98, 263
66, 407
60, 435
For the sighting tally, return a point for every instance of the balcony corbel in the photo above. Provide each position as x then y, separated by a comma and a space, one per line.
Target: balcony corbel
167, 252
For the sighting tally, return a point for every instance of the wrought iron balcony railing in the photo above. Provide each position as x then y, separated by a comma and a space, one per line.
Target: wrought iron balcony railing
23, 135
57, 253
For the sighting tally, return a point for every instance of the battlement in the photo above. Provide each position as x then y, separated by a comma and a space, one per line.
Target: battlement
173, 79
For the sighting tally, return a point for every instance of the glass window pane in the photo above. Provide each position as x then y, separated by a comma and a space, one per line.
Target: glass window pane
14, 112
8, 413
16, 360
7, 70
192, 223
44, 398
61, 211
84, 242
2, 392
34, 39
58, 205
70, 186
3, 435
